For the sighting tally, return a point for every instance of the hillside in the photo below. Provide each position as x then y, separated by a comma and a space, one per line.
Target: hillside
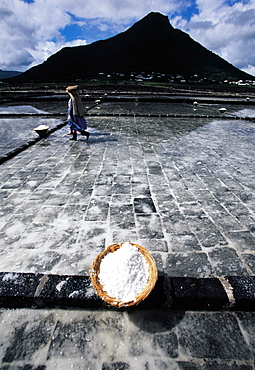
8, 74
150, 45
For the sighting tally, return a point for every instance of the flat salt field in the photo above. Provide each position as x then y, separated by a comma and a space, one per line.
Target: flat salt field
181, 187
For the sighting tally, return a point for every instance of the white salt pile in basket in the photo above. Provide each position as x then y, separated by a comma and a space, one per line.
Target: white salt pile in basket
124, 273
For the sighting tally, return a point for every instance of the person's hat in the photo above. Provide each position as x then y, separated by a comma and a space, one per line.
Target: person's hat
70, 88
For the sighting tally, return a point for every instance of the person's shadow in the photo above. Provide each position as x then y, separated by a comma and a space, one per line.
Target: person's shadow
100, 137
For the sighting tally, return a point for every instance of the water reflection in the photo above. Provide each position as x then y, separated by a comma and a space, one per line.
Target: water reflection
246, 112
130, 107
20, 109
15, 132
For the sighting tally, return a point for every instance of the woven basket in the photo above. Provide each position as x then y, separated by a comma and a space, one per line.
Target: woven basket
95, 270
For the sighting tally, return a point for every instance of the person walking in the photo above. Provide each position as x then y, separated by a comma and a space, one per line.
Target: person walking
75, 113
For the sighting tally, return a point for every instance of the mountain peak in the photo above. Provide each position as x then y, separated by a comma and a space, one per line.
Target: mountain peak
154, 21
156, 17
150, 45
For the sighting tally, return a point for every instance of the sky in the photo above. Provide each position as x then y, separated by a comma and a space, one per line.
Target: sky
33, 30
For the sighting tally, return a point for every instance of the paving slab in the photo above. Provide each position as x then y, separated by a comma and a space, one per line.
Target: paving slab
181, 187
139, 340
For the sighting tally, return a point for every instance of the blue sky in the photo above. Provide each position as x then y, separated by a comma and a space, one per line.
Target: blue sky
32, 30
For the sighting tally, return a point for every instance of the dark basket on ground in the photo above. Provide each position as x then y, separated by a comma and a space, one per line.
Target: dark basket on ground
95, 270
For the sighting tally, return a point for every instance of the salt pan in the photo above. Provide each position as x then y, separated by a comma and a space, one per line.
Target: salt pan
124, 273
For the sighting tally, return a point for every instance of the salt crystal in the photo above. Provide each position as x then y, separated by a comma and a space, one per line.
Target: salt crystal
41, 127
124, 273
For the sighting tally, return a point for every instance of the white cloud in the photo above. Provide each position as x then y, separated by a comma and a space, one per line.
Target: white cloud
250, 69
44, 49
116, 10
31, 32
23, 27
227, 30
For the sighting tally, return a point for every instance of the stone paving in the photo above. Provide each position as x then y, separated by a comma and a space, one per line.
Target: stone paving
183, 188
136, 340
